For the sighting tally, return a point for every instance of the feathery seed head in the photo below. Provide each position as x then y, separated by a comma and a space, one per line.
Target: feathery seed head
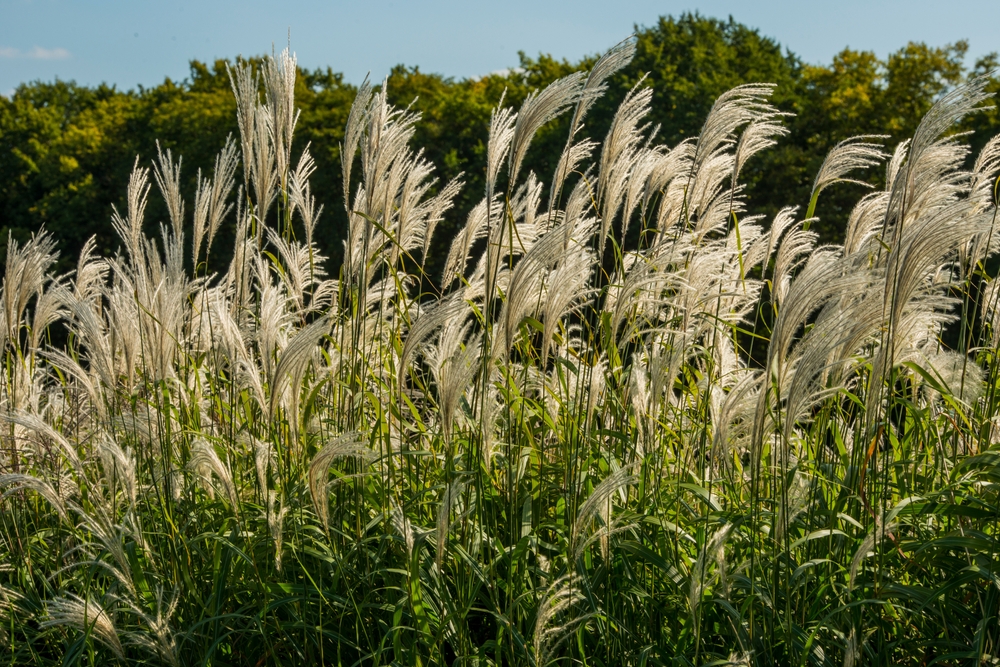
849, 155
206, 464
538, 109
502, 123
86, 616
346, 445
168, 178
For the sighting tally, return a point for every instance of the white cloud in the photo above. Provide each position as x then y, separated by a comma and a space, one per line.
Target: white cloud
506, 71
35, 53
58, 53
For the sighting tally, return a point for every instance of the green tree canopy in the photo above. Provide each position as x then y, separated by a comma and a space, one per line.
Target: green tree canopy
66, 150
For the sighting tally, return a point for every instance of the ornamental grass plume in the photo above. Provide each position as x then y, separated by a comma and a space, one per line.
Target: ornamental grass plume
560, 597
210, 205
348, 444
847, 156
88, 617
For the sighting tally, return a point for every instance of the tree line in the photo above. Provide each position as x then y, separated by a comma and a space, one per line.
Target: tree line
66, 150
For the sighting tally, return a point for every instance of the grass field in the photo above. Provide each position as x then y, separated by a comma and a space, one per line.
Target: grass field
631, 424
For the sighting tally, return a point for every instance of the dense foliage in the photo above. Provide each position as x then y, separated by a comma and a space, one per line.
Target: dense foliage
66, 149
612, 415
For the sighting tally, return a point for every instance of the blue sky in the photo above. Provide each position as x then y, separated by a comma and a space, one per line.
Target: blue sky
136, 42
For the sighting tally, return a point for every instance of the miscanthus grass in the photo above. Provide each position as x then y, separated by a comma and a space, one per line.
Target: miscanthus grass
568, 455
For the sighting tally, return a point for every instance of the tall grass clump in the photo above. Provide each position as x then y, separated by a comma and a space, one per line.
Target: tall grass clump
631, 423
